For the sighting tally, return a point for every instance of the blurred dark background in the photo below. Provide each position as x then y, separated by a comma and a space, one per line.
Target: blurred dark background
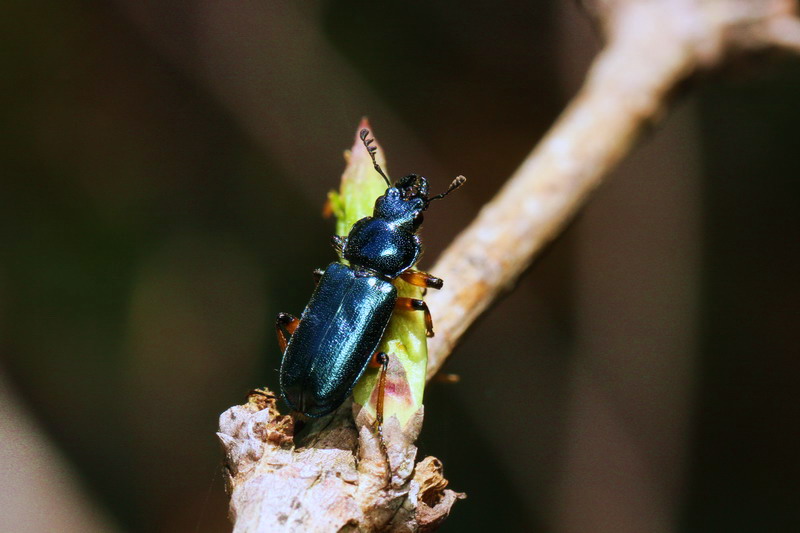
164, 167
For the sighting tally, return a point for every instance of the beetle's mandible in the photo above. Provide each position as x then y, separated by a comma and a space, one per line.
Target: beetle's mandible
326, 350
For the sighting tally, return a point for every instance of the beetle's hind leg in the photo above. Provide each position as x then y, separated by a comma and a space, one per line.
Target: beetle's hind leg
415, 304
380, 359
421, 279
285, 324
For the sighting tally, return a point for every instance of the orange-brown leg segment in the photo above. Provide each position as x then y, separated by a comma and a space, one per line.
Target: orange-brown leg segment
414, 304
285, 325
421, 279
380, 359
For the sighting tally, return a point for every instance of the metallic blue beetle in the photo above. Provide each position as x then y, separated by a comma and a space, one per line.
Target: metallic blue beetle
327, 349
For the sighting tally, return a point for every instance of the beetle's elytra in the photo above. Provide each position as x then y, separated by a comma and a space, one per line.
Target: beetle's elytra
326, 350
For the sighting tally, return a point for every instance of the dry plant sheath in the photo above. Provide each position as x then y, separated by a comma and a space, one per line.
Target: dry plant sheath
335, 477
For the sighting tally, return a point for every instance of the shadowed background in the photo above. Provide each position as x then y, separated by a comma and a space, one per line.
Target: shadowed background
164, 168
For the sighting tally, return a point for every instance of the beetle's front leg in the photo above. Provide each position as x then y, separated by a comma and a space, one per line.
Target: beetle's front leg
285, 324
415, 304
338, 242
421, 279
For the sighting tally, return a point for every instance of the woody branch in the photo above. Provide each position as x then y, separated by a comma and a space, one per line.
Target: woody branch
652, 46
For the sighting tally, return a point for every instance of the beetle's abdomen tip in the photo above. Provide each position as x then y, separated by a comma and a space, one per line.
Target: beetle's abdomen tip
303, 402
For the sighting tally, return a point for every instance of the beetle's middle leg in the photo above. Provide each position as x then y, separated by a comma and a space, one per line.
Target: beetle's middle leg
285, 324
421, 279
415, 304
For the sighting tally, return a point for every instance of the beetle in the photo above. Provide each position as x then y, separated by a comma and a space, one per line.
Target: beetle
327, 349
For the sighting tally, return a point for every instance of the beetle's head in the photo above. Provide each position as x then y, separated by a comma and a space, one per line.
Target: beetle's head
413, 186
404, 202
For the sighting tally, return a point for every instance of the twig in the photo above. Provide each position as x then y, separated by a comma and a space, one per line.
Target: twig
652, 46
784, 32
335, 477
38, 490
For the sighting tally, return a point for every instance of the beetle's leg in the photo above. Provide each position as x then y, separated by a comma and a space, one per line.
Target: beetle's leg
285, 325
381, 359
414, 304
421, 279
318, 272
339, 243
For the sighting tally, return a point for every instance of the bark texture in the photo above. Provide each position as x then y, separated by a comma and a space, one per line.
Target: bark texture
336, 477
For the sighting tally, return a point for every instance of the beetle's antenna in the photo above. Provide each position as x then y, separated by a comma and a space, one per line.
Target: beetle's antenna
458, 182
371, 149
